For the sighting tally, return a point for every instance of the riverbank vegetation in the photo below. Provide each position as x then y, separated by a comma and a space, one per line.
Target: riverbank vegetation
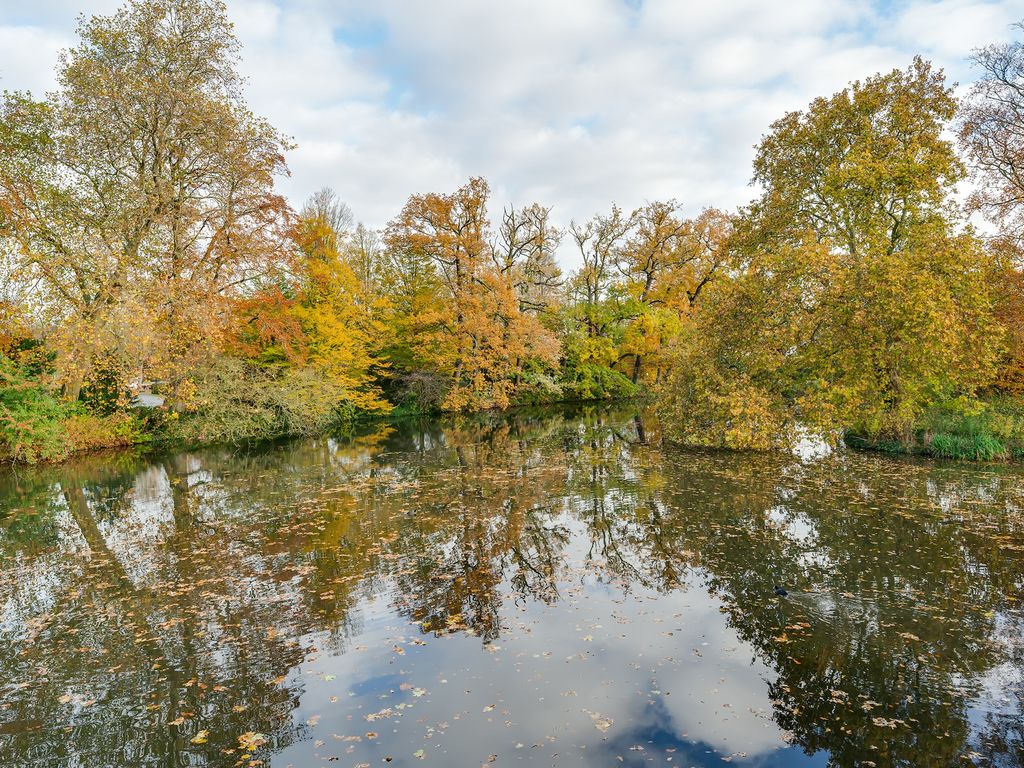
147, 258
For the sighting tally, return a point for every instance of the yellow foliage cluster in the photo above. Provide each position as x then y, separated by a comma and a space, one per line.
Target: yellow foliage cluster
860, 300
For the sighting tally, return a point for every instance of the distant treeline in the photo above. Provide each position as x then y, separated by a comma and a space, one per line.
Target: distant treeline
143, 247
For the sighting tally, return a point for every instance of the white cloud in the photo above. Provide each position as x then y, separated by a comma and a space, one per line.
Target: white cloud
576, 104
26, 57
945, 27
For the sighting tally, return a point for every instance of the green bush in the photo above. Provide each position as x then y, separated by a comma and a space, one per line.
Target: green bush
236, 400
90, 431
589, 381
975, 429
537, 389
31, 417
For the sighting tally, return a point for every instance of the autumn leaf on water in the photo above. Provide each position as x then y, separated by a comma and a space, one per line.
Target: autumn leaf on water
601, 722
200, 738
250, 741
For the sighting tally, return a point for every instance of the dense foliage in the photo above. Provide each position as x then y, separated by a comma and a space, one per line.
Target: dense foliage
144, 249
861, 298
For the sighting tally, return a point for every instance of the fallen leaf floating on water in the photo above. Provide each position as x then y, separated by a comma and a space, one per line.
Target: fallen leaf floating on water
601, 722
250, 741
200, 738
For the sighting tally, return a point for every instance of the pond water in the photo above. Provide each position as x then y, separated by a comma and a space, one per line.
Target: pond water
544, 588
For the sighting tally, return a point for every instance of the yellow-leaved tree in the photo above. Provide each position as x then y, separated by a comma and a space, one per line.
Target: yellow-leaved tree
342, 323
137, 198
859, 298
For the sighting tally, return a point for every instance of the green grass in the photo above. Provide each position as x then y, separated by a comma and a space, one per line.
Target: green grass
971, 447
991, 429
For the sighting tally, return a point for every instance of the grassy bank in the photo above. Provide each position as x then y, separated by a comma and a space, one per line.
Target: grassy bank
989, 430
235, 403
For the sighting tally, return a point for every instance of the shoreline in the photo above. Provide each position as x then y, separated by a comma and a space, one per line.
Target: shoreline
151, 442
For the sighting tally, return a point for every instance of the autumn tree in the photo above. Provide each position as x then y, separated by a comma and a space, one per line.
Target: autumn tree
858, 301
324, 204
524, 255
653, 250
478, 335
991, 130
339, 317
139, 193
412, 284
640, 280
304, 352
667, 263
705, 257
593, 317
364, 252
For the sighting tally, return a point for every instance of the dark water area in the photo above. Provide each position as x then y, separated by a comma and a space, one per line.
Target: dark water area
543, 588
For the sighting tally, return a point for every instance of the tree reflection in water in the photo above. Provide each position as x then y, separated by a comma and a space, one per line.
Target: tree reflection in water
157, 609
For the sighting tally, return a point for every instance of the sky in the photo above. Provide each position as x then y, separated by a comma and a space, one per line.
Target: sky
575, 104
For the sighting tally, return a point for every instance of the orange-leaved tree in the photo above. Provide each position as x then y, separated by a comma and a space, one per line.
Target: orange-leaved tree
476, 330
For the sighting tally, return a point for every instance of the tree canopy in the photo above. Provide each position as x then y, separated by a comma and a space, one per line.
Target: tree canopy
144, 246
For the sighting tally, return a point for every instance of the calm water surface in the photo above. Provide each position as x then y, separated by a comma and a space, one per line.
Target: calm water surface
548, 588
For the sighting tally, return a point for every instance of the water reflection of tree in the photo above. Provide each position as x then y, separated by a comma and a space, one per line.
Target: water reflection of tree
897, 574
125, 667
175, 589
202, 569
615, 479
890, 610
481, 514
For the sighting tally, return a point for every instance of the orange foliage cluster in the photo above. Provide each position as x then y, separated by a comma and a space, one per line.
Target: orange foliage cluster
480, 336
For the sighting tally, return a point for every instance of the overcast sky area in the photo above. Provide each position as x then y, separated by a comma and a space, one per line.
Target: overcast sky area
571, 103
